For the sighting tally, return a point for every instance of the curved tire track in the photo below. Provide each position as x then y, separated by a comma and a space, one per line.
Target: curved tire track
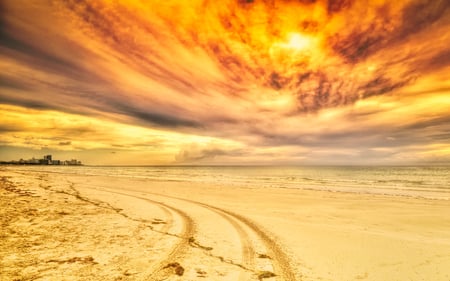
178, 249
279, 259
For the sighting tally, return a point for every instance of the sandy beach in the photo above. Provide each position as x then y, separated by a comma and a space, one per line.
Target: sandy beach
59, 226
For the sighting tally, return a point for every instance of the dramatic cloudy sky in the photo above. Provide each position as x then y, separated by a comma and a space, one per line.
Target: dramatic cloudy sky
226, 82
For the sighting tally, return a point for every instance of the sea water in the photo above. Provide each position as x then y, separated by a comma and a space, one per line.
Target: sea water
427, 182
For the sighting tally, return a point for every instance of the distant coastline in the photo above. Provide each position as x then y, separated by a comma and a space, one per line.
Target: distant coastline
46, 160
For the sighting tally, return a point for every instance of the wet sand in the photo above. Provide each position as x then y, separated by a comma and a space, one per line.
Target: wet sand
70, 227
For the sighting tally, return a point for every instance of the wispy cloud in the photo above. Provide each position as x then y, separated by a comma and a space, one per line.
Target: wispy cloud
304, 78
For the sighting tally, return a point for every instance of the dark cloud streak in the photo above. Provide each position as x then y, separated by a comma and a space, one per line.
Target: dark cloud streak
152, 117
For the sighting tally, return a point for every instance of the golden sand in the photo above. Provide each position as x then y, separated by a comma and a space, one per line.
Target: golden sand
71, 227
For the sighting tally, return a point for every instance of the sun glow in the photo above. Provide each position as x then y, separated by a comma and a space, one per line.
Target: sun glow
295, 48
226, 81
299, 42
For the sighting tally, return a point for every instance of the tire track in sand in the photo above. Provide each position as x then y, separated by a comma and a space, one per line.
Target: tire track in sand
248, 251
280, 261
179, 248
247, 248
160, 270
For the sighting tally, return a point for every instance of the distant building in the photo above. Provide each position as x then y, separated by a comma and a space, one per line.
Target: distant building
46, 160
72, 162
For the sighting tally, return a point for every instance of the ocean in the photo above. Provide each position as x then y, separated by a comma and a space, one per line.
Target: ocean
426, 182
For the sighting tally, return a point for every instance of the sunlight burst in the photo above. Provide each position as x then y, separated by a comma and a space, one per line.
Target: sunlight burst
299, 42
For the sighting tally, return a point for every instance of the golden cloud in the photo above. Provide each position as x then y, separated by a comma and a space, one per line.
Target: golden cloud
299, 76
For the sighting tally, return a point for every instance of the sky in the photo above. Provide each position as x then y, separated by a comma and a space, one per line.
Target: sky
231, 82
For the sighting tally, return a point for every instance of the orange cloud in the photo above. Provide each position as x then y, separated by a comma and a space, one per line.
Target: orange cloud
296, 75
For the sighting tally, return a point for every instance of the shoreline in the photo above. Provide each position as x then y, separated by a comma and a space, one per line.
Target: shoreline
221, 233
429, 193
